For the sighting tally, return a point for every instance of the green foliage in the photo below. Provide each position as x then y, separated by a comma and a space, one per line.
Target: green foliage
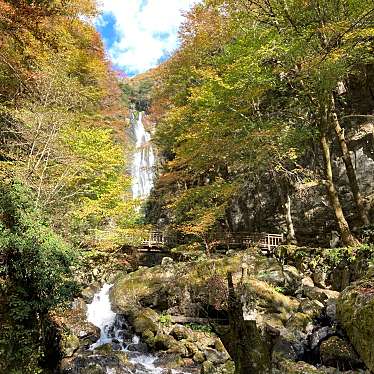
138, 93
59, 118
337, 256
280, 289
165, 319
199, 327
251, 89
35, 277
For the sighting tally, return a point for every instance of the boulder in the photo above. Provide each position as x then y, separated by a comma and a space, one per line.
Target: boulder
331, 310
289, 345
285, 366
216, 357
164, 342
191, 348
68, 345
298, 321
287, 277
319, 277
74, 330
146, 319
149, 338
89, 292
167, 360
180, 349
97, 363
355, 312
338, 353
207, 368
312, 308
180, 332
320, 294
320, 334
167, 261
199, 357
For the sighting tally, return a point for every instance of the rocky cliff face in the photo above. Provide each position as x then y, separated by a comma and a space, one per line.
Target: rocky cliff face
259, 208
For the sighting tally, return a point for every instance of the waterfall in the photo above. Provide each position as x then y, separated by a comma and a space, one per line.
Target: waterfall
100, 314
143, 161
115, 331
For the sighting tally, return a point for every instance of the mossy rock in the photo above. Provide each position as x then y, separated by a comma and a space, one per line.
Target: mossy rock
338, 353
146, 319
123, 358
298, 321
208, 368
355, 312
149, 338
105, 349
199, 357
180, 332
68, 345
167, 289
312, 308
165, 342
191, 348
269, 298
292, 367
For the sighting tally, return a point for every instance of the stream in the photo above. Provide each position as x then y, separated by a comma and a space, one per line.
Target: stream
114, 330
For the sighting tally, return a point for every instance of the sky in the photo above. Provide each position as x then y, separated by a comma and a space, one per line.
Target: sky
139, 34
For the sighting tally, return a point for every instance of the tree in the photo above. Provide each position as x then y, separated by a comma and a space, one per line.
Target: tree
252, 98
35, 277
59, 113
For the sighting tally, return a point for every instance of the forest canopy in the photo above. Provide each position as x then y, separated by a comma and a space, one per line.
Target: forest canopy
254, 87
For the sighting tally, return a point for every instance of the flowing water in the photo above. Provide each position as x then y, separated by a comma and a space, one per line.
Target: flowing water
143, 160
100, 314
115, 331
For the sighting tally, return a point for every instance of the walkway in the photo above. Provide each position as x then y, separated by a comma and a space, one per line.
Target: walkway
157, 240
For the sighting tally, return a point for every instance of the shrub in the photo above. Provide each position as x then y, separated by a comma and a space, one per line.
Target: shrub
34, 278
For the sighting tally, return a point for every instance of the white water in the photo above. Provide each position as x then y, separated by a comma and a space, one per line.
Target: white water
100, 313
143, 161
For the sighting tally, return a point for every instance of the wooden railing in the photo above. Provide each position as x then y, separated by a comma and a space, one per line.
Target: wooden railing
157, 239
263, 240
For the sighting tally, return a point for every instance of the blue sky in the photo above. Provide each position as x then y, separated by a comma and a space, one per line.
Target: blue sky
138, 34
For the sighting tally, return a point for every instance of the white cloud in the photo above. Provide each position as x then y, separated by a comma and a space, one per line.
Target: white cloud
146, 30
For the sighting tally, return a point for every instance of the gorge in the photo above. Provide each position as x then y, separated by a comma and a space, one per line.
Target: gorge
211, 215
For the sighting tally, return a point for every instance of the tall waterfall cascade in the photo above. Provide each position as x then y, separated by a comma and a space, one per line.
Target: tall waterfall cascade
143, 161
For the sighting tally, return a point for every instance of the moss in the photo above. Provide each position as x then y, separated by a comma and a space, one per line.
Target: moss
149, 338
291, 367
131, 289
298, 321
268, 297
105, 349
165, 342
338, 353
92, 369
122, 357
146, 319
68, 345
355, 312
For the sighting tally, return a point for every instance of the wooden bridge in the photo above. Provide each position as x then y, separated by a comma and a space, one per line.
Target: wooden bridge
157, 240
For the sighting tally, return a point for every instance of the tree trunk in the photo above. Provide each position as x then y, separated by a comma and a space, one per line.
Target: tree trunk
286, 204
291, 238
347, 237
244, 342
351, 173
